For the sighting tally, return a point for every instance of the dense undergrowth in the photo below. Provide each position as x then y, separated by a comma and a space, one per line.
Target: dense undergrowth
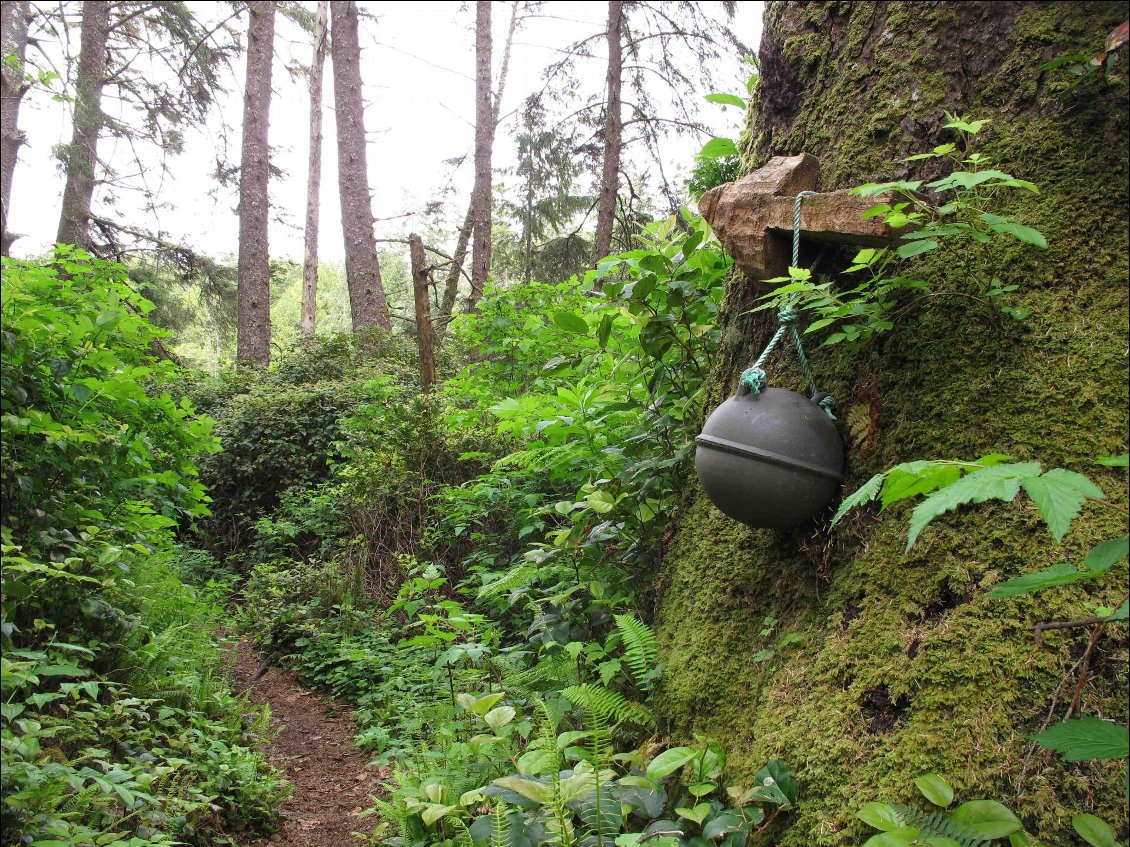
117, 726
468, 567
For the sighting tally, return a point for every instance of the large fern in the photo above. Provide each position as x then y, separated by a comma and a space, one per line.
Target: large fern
600, 809
609, 705
938, 823
550, 672
641, 652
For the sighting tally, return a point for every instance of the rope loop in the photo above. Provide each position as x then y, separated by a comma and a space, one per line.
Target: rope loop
754, 380
788, 316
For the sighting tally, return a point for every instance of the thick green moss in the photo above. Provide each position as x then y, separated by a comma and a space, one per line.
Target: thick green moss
906, 666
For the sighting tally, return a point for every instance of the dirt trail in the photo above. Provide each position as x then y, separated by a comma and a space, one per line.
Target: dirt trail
332, 781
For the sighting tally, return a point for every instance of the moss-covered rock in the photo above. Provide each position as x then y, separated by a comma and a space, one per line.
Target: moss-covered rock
906, 666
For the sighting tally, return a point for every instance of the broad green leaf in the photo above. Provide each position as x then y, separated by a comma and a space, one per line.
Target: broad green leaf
496, 719
724, 99
935, 789
701, 789
880, 815
570, 738
1001, 482
902, 837
697, 814
1018, 231
1062, 573
536, 762
915, 478
1060, 495
601, 502
471, 798
571, 322
1122, 612
1102, 557
716, 148
1114, 461
536, 791
669, 761
1084, 739
433, 813
913, 248
986, 819
1095, 831
722, 824
478, 742
864, 494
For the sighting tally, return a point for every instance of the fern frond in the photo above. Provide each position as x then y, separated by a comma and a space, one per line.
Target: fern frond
609, 705
500, 831
600, 811
462, 831
79, 803
551, 671
938, 823
521, 574
393, 812
641, 651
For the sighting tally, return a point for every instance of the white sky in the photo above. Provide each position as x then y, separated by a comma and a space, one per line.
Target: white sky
418, 66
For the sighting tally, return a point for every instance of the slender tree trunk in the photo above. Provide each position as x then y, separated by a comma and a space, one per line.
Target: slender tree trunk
367, 303
425, 338
81, 156
14, 19
314, 174
253, 339
451, 286
613, 136
484, 141
528, 234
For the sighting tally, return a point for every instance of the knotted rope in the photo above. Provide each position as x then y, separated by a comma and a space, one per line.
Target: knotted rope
754, 377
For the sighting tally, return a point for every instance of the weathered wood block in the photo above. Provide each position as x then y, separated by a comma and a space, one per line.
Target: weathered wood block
753, 217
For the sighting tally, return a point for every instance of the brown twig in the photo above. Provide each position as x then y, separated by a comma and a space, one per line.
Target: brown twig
1096, 634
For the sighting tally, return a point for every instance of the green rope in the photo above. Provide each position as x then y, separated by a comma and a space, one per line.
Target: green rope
754, 377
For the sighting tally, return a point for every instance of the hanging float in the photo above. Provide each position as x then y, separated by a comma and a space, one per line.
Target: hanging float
768, 457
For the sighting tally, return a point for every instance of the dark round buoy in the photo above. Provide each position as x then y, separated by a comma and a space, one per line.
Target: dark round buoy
769, 460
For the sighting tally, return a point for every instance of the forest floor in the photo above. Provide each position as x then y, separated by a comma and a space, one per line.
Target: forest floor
314, 747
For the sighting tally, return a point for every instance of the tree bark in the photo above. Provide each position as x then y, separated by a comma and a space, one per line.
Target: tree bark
253, 295
81, 156
314, 174
367, 303
425, 338
451, 285
905, 665
484, 141
14, 18
613, 135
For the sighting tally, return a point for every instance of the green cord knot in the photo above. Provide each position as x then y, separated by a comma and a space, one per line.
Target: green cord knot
753, 379
827, 404
788, 316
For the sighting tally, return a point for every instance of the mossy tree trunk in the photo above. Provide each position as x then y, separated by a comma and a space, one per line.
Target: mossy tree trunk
906, 666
